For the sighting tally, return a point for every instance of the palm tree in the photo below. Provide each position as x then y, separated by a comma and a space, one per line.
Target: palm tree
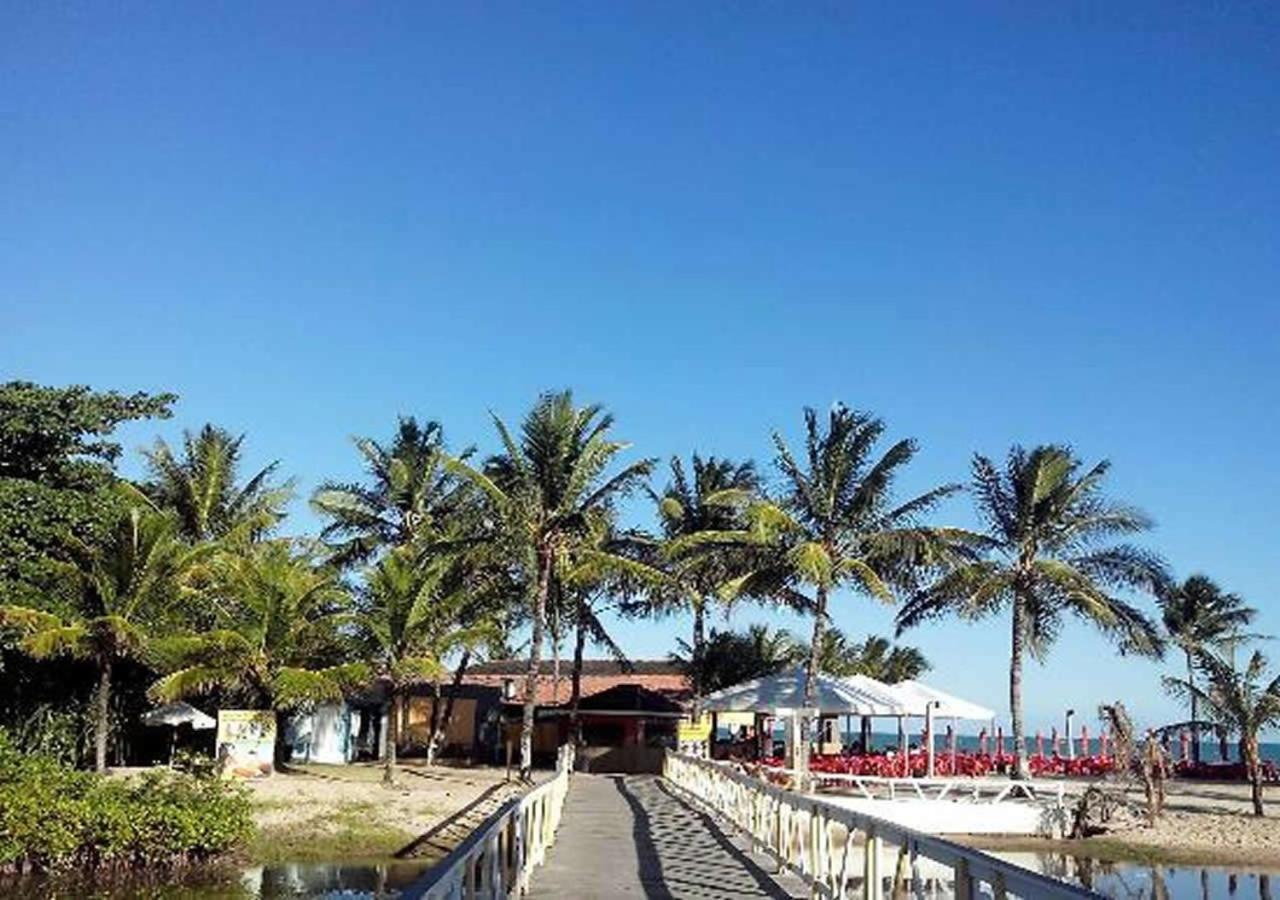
278, 646
125, 587
837, 525
1048, 532
713, 501
411, 615
1197, 615
588, 588
202, 488
732, 657
412, 493
876, 657
541, 494
1243, 700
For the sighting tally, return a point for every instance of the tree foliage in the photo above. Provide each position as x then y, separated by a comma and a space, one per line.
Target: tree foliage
1050, 546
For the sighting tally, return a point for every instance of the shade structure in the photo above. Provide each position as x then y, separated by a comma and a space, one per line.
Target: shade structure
917, 696
905, 704
783, 693
175, 714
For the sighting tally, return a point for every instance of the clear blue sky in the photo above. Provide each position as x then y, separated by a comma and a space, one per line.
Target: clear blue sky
988, 222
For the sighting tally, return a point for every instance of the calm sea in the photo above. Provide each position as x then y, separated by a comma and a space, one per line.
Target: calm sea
886, 740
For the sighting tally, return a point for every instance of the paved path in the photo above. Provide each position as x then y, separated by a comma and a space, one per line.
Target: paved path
630, 836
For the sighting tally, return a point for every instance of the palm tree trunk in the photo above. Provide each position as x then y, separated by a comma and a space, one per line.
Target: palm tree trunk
535, 660
1252, 765
1195, 728
815, 647
103, 716
458, 674
1015, 690
393, 735
575, 690
699, 643
433, 732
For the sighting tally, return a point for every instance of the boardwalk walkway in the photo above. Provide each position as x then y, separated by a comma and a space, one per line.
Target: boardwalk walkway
630, 836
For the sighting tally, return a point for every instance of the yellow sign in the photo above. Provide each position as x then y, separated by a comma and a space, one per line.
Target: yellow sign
246, 742
690, 732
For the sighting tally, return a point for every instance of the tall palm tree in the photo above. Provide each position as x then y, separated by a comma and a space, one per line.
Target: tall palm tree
202, 487
837, 525
1049, 532
1244, 700
713, 501
541, 494
411, 493
1198, 615
126, 586
588, 589
411, 615
278, 644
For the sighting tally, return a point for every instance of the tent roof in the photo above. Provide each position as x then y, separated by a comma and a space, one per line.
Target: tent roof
784, 693
916, 695
179, 713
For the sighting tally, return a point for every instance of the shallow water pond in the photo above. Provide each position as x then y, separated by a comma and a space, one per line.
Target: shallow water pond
1140, 881
354, 881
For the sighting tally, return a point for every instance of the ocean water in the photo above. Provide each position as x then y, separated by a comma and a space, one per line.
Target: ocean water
968, 743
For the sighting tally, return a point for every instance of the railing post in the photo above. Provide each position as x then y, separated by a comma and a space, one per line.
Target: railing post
872, 886
963, 880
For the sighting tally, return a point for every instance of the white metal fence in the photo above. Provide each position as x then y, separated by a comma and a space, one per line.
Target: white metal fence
976, 790
497, 859
843, 853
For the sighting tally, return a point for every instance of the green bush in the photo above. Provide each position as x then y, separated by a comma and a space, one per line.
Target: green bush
53, 817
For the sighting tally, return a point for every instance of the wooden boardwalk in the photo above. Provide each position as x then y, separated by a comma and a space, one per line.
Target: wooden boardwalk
631, 836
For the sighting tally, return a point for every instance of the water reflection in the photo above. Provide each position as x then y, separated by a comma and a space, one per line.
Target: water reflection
275, 882
1137, 881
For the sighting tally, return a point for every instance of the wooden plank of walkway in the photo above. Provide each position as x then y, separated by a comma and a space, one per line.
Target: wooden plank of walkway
631, 836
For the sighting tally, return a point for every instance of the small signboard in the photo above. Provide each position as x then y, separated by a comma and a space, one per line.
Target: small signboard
694, 732
246, 742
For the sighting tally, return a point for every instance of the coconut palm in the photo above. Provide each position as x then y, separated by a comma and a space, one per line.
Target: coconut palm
125, 587
1198, 615
732, 657
411, 493
837, 525
411, 615
278, 644
1244, 700
1049, 532
876, 657
541, 494
713, 500
588, 589
202, 487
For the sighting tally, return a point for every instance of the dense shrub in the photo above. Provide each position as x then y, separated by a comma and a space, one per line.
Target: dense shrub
53, 817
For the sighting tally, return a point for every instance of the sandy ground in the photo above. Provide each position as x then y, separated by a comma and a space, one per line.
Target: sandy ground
348, 805
421, 798
1203, 823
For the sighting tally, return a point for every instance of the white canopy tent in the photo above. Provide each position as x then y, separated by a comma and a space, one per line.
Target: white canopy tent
783, 694
920, 700
918, 695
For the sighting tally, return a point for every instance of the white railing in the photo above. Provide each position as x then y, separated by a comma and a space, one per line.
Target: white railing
972, 789
838, 851
498, 858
